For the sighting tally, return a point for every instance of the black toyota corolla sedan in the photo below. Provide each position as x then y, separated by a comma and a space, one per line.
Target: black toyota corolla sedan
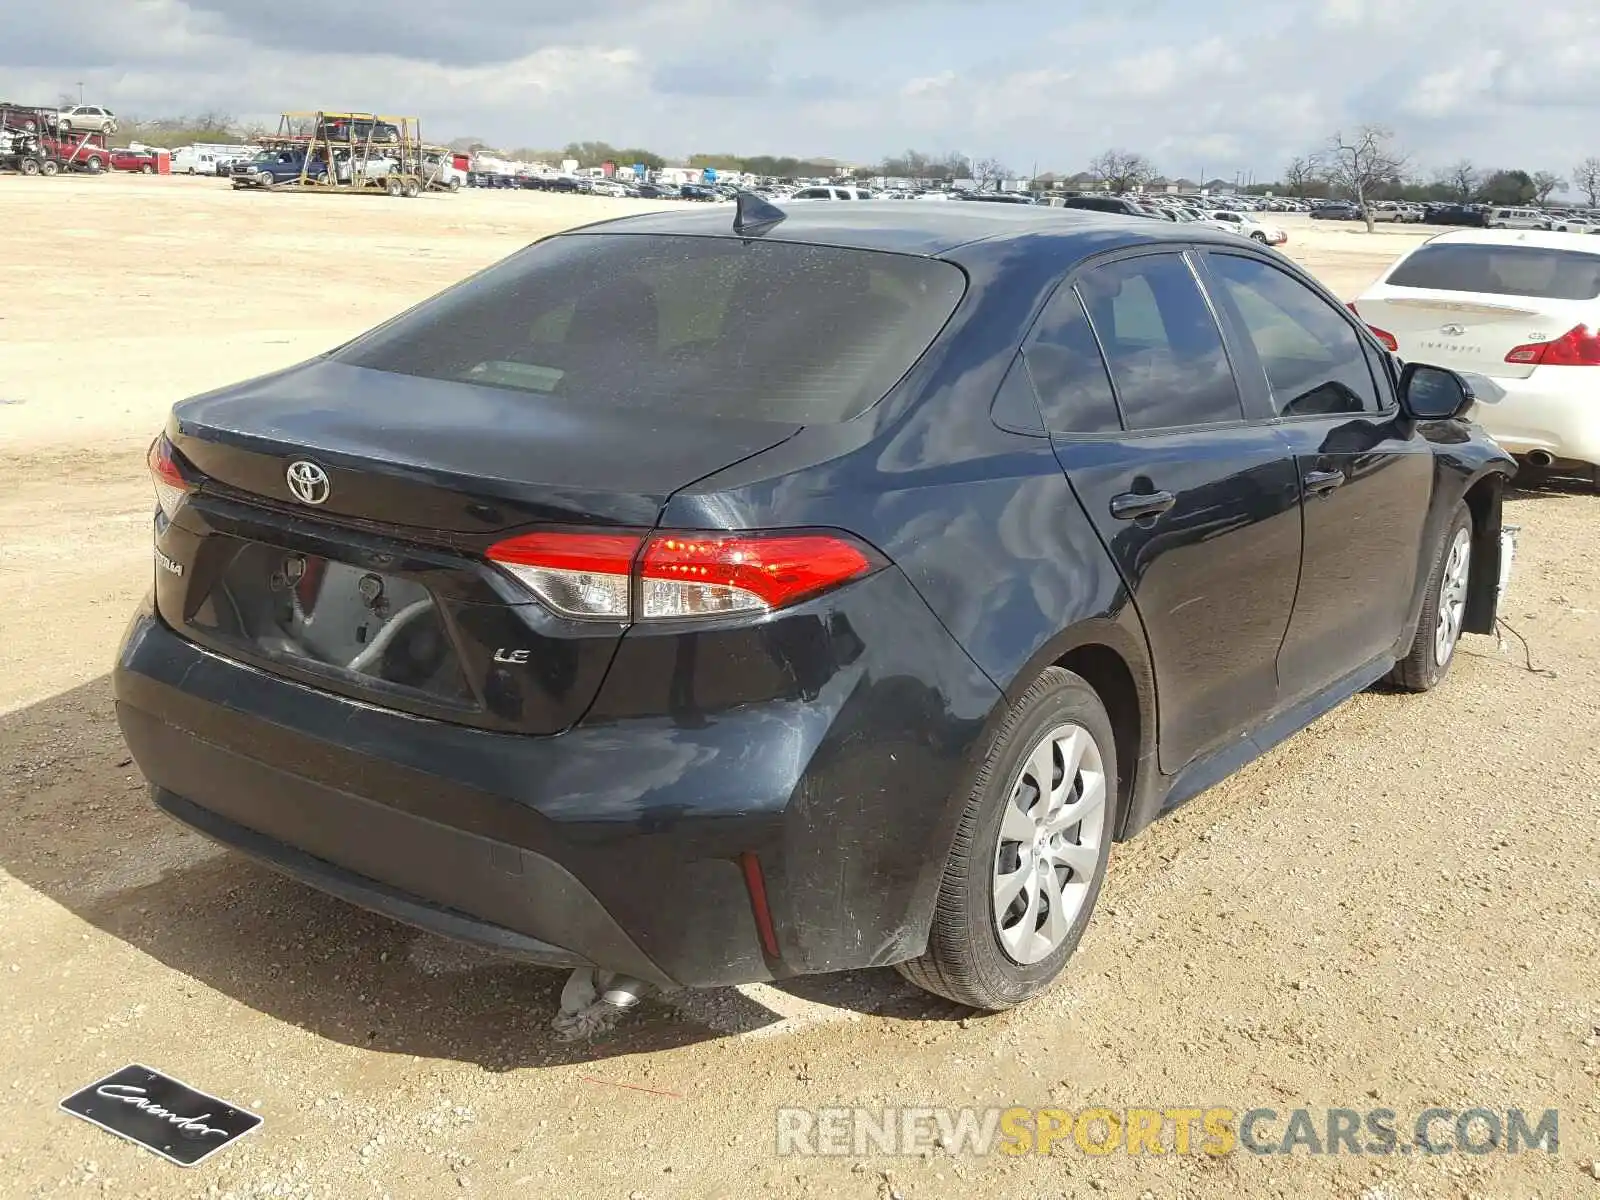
726, 595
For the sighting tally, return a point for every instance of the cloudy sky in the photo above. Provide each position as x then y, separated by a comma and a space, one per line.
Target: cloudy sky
1218, 87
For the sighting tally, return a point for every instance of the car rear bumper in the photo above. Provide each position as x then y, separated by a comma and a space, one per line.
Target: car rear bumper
1555, 409
695, 849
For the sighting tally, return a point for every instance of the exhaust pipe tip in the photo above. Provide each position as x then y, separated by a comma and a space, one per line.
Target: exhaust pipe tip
1540, 458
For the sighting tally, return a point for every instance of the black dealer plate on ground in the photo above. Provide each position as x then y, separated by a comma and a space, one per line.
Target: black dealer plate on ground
171, 1118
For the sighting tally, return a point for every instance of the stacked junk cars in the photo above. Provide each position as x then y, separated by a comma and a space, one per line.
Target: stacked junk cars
345, 152
41, 141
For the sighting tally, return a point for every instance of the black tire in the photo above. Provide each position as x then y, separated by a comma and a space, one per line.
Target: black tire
146, 169
1259, 237
965, 960
29, 166
95, 165
1420, 670
49, 167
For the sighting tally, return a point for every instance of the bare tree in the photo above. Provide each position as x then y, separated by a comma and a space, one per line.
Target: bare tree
1462, 179
1586, 178
1122, 170
988, 170
1301, 173
1544, 183
1361, 163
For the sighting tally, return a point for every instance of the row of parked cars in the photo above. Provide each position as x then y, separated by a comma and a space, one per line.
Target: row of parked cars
1482, 216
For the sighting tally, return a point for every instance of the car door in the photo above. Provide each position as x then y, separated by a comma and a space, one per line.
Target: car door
1196, 503
1367, 474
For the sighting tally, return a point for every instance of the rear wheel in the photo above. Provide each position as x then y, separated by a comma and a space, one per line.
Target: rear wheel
1259, 237
95, 166
49, 167
146, 169
1030, 852
394, 187
1439, 627
29, 166
411, 189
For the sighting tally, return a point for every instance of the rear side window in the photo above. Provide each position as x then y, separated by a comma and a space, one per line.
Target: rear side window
1067, 371
1161, 342
703, 326
1501, 271
1312, 357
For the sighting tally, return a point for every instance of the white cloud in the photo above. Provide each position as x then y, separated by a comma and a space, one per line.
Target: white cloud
1241, 87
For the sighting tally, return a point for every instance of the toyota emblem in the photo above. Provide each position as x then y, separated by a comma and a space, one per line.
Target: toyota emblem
1452, 330
308, 482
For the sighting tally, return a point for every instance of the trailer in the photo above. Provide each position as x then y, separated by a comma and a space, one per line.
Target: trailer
338, 152
24, 153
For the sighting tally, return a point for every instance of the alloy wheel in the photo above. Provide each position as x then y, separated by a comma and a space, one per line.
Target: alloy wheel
1049, 843
1452, 596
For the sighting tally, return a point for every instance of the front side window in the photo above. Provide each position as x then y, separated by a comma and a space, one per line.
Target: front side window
1312, 357
1161, 343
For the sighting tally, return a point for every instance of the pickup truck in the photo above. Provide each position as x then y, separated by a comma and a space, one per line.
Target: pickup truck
78, 151
272, 167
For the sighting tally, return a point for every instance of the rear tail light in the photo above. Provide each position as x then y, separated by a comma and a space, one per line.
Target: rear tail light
171, 486
680, 575
587, 575
1385, 338
1578, 347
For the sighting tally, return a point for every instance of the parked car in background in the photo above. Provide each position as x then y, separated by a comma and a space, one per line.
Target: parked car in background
1517, 218
1106, 204
654, 191
1247, 226
1522, 309
1471, 215
141, 161
1576, 223
696, 191
1336, 212
794, 691
995, 197
834, 192
357, 129
86, 118
272, 167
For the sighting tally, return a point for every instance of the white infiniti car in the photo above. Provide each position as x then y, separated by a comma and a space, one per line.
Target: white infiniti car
1521, 307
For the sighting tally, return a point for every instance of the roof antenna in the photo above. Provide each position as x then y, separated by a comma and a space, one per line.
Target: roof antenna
754, 215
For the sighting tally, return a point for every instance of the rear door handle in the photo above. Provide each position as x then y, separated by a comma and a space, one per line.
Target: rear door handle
1320, 483
1130, 506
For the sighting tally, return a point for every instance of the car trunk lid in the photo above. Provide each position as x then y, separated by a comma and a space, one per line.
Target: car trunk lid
374, 584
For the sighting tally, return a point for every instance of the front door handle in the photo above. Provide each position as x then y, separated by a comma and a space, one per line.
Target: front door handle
1320, 483
1130, 506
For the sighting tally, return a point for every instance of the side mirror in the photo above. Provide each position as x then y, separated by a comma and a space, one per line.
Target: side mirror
1430, 393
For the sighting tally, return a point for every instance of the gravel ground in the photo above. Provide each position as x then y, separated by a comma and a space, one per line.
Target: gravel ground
1397, 908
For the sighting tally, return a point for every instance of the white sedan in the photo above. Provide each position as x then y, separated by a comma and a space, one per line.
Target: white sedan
1521, 307
1246, 225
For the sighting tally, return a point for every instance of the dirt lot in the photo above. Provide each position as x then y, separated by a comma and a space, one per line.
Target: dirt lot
1398, 908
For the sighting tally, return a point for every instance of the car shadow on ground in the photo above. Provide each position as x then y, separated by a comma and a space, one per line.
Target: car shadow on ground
76, 825
1532, 483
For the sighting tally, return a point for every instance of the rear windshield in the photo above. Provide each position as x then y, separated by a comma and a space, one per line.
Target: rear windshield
1502, 271
702, 326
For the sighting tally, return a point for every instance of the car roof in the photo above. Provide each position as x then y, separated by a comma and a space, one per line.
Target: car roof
1546, 239
925, 229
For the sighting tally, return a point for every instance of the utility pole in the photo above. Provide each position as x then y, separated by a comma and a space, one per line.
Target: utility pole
80, 91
